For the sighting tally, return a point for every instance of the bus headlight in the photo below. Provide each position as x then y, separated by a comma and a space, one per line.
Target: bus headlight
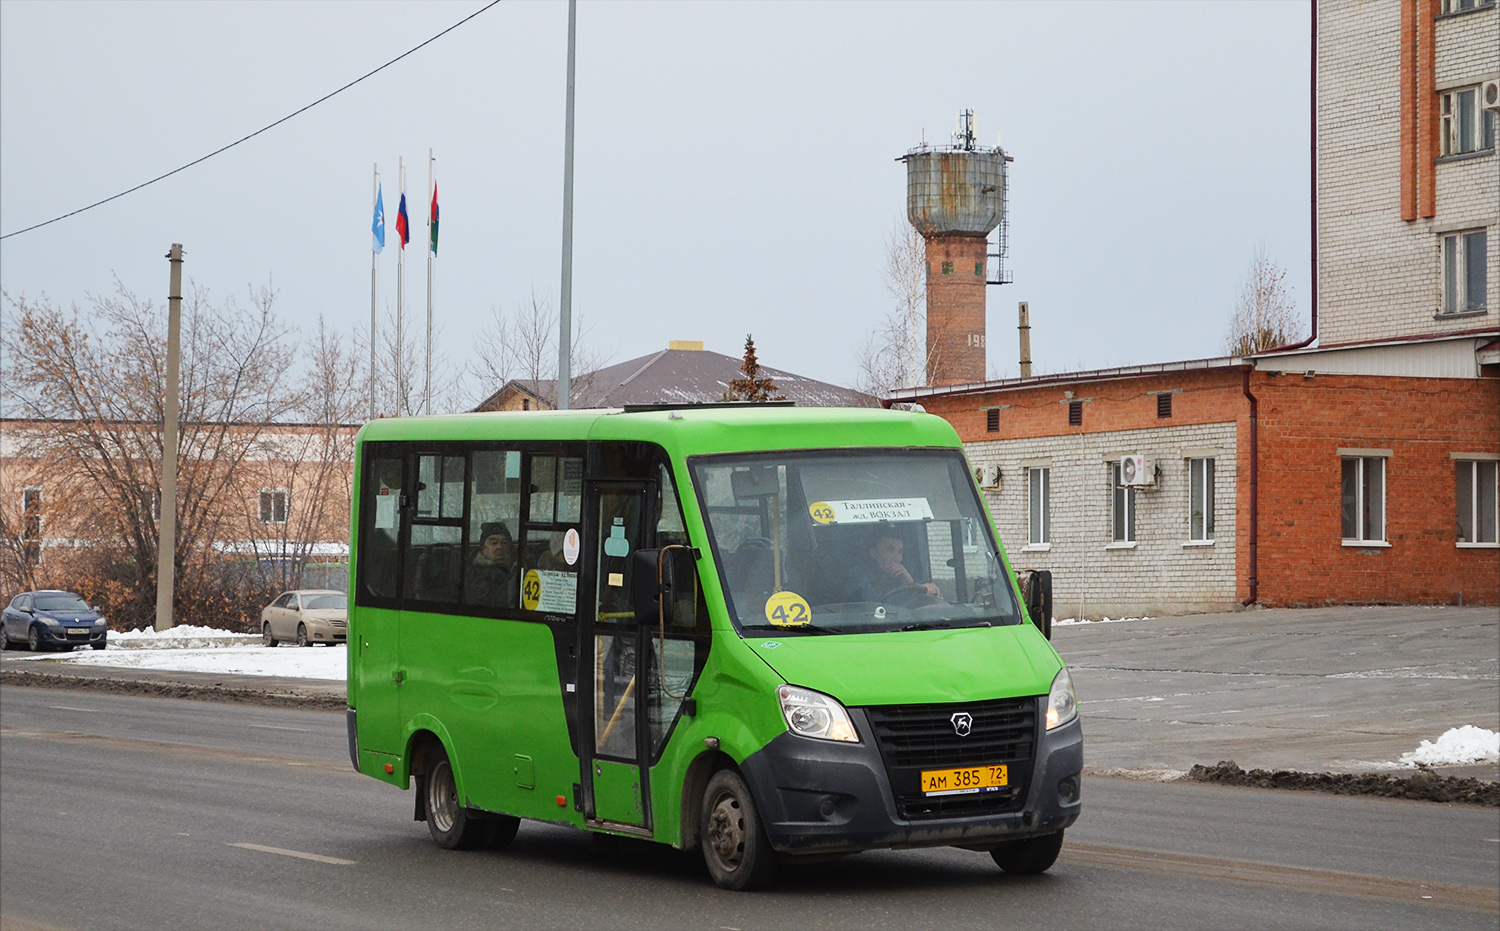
813, 714
1062, 703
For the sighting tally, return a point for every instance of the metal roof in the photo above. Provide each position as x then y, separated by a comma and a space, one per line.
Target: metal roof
685, 376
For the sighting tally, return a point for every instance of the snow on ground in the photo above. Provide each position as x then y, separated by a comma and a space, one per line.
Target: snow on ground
205, 649
1066, 621
239, 660
1459, 745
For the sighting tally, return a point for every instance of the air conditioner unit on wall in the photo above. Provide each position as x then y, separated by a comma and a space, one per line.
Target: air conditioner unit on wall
1489, 95
988, 475
1136, 472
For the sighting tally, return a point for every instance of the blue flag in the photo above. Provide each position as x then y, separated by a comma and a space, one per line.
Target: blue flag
378, 227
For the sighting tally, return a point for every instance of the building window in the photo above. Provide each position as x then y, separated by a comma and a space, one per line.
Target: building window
1075, 413
1465, 266
1163, 405
1463, 126
1122, 507
992, 420
1039, 512
31, 525
1478, 516
1464, 6
1364, 499
273, 505
1201, 500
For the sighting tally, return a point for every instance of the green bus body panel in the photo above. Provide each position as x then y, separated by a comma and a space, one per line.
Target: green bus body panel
617, 792
917, 667
493, 684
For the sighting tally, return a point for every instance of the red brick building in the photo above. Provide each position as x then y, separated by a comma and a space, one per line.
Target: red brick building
1246, 498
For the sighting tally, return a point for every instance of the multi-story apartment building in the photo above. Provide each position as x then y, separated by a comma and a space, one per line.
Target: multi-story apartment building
1363, 466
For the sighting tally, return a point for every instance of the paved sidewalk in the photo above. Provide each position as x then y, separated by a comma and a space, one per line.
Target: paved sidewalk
1316, 690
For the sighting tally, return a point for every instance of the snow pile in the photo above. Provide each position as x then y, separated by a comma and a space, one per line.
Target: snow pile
1067, 621
239, 659
1467, 744
186, 637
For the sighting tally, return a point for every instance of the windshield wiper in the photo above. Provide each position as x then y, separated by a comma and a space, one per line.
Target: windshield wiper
793, 628
934, 625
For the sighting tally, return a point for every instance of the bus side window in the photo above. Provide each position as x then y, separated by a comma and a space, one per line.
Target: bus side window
670, 529
434, 562
378, 551
492, 575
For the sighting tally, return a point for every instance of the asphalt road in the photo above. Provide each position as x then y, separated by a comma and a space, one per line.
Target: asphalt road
129, 812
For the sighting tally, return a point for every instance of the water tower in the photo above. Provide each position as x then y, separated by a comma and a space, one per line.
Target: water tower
955, 197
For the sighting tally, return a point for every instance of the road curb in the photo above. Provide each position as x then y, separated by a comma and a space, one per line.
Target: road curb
280, 698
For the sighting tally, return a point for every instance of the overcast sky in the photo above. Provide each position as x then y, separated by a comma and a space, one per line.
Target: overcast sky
735, 162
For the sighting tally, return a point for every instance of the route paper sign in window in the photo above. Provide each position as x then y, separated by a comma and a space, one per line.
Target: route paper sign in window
870, 511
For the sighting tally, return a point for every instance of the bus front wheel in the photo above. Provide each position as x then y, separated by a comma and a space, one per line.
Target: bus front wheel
735, 846
448, 821
1028, 857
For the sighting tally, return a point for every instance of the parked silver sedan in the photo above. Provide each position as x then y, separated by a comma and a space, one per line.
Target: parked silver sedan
307, 617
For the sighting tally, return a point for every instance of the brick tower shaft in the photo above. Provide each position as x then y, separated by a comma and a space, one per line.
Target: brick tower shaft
955, 309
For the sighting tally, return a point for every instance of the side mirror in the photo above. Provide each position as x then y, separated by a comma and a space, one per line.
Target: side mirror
665, 587
1037, 589
645, 590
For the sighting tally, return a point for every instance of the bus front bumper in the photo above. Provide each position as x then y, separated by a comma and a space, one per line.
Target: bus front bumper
818, 796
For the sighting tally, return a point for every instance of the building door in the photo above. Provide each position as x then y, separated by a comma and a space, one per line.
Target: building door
613, 667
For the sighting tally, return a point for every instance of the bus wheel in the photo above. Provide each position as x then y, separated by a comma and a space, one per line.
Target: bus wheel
735, 846
447, 821
1028, 857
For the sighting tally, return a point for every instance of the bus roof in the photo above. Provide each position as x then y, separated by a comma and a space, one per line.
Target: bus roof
685, 431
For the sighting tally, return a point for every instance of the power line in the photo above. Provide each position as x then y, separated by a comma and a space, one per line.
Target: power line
258, 131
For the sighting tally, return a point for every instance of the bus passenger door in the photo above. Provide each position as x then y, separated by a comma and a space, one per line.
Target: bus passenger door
612, 672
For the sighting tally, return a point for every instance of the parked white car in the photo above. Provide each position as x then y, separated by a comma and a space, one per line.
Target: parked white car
307, 617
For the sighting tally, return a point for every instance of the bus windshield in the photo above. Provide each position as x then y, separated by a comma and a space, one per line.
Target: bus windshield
852, 541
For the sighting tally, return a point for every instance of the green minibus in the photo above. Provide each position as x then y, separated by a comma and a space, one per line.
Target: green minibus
762, 631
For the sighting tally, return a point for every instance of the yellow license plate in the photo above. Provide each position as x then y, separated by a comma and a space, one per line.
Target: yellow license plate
963, 781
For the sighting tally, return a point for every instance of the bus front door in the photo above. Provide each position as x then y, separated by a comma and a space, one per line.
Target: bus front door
612, 668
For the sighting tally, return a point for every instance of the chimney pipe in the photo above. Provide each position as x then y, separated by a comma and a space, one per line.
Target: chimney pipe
1025, 339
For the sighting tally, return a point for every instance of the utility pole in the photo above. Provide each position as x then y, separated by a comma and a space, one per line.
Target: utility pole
565, 321
166, 551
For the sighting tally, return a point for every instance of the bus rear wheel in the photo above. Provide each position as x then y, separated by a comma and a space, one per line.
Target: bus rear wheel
735, 846
449, 823
1030, 856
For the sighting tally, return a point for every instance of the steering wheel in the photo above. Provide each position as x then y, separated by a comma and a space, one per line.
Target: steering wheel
912, 595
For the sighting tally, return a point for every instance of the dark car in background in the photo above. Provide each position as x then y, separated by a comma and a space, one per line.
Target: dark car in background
49, 620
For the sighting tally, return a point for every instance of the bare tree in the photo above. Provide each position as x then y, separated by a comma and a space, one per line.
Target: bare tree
307, 467
1265, 316
895, 354
522, 346
400, 374
93, 392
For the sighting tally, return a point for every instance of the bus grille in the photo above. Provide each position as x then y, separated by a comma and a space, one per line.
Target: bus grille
912, 738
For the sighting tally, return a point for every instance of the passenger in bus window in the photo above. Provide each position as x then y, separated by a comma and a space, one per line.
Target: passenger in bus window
885, 573
491, 579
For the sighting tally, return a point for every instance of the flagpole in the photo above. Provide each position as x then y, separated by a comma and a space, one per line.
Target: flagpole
427, 397
374, 201
400, 295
